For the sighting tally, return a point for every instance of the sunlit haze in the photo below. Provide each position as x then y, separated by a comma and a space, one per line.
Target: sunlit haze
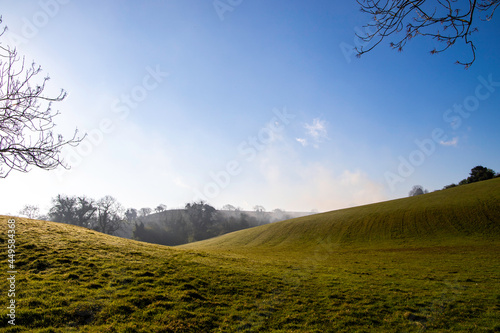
262, 103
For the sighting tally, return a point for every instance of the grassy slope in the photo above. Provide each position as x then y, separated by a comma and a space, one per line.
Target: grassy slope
468, 213
428, 263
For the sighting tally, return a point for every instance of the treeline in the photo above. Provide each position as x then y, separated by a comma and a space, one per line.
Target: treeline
477, 174
103, 215
197, 221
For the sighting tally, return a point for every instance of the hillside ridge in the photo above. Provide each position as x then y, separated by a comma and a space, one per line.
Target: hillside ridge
443, 217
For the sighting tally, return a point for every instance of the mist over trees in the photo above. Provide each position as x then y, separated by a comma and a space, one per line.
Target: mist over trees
196, 221
199, 221
131, 214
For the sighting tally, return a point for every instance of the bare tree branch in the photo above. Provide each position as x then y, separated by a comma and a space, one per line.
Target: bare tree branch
27, 118
446, 21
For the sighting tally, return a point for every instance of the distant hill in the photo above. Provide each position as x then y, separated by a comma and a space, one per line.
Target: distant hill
172, 216
459, 214
268, 217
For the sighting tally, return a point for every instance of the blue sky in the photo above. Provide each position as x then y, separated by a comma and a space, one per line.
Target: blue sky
262, 104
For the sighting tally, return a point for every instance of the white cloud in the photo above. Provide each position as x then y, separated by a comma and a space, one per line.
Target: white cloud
453, 142
317, 130
302, 141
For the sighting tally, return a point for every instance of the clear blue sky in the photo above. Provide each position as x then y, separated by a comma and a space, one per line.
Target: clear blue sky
262, 104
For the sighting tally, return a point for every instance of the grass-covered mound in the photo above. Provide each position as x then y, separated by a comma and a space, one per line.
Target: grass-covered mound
460, 215
409, 265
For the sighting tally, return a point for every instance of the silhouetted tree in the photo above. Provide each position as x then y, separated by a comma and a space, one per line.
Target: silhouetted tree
143, 212
109, 218
85, 211
64, 209
229, 207
178, 225
450, 186
445, 21
139, 232
202, 217
463, 182
480, 173
131, 215
161, 208
27, 118
73, 210
31, 211
417, 190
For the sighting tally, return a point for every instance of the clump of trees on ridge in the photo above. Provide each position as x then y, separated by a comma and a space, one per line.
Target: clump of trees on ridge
477, 174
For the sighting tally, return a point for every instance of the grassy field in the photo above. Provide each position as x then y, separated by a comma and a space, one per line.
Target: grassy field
423, 264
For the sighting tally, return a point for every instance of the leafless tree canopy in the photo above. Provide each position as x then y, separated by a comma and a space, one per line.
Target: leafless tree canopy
417, 190
26, 117
443, 20
31, 211
109, 213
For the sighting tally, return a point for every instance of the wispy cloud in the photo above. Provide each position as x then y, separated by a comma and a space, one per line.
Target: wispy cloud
317, 132
302, 141
453, 142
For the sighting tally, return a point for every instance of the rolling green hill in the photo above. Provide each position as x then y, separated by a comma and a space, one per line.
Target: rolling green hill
421, 264
464, 214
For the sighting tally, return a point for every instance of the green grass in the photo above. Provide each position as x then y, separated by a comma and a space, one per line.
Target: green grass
422, 264
467, 213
